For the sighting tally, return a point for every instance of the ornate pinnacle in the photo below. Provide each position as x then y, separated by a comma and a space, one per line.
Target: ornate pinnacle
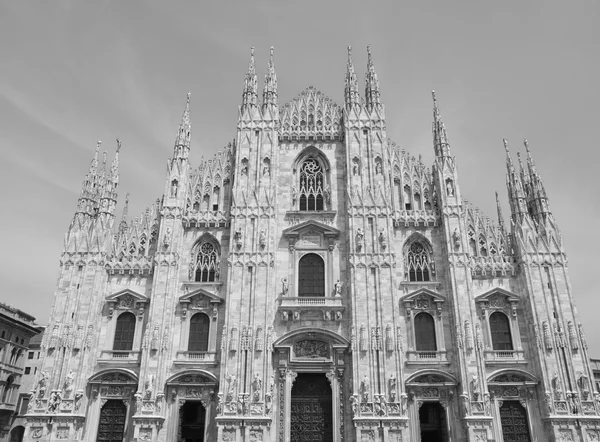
270, 88
351, 95
249, 96
123, 223
500, 216
185, 129
372, 94
440, 138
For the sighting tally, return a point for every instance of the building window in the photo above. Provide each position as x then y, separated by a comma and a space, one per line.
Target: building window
112, 421
27, 370
124, 332
30, 355
7, 389
311, 185
24, 405
500, 331
425, 332
199, 326
205, 262
417, 263
311, 276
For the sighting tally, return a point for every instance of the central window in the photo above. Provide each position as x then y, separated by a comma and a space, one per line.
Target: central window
311, 186
205, 263
311, 278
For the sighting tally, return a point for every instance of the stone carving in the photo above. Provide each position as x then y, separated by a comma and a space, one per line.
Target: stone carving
547, 337
54, 402
68, 385
77, 401
174, 187
354, 405
294, 195
392, 387
365, 389
584, 385
582, 336
239, 237
311, 349
231, 384
449, 187
362, 338
270, 338
266, 171
338, 288
154, 341
468, 335
478, 337
399, 339
475, 388
382, 237
42, 384
256, 388
149, 385
360, 237
259, 339
557, 386
327, 194
572, 335
233, 339
389, 341
262, 238
284, 286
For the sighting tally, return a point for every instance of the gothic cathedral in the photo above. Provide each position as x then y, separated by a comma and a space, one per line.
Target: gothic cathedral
313, 282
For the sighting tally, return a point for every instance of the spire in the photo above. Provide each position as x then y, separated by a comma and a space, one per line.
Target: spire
516, 194
123, 223
184, 134
114, 169
372, 95
88, 198
250, 94
351, 94
538, 199
440, 138
270, 89
500, 216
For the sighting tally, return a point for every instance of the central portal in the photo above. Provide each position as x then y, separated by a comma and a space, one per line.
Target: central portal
311, 411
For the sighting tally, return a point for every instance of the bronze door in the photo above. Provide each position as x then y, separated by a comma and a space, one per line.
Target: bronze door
112, 421
514, 422
311, 411
193, 419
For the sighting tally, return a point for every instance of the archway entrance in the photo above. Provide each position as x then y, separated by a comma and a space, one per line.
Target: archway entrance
16, 434
193, 420
311, 409
513, 418
432, 420
112, 421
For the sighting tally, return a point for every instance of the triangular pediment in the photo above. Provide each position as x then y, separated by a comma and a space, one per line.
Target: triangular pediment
423, 292
324, 229
126, 295
199, 294
311, 113
496, 291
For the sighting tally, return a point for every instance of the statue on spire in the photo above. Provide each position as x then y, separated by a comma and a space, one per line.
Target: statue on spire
250, 94
372, 94
270, 88
351, 94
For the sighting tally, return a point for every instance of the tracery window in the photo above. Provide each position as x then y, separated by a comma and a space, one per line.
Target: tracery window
425, 332
199, 327
124, 332
311, 276
500, 331
311, 186
418, 263
205, 263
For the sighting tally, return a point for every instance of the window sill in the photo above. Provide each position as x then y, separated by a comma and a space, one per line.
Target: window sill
120, 357
426, 357
414, 285
195, 358
502, 357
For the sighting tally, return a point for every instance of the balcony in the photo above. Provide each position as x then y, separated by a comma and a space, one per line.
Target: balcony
120, 357
499, 357
426, 357
195, 358
415, 217
330, 308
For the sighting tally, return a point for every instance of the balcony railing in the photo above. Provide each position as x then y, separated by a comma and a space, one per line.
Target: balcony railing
504, 356
320, 301
120, 356
196, 357
427, 357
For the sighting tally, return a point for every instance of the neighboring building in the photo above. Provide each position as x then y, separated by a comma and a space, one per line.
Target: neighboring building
596, 371
32, 365
313, 281
17, 328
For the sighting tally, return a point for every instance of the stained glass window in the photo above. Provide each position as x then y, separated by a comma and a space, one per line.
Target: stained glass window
311, 186
417, 263
205, 263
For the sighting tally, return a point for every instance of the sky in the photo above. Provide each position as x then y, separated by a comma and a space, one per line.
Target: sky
74, 72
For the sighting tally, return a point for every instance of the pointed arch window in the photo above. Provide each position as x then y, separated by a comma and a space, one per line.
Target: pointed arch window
418, 264
215, 200
311, 276
311, 186
500, 331
124, 332
199, 328
205, 262
425, 332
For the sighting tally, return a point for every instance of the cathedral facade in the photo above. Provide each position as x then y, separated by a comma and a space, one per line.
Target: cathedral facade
313, 282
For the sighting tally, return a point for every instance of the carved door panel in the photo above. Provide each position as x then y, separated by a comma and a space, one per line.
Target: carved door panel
311, 417
112, 422
514, 422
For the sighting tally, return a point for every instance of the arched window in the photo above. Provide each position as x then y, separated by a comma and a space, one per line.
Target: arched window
199, 325
311, 279
124, 332
406, 197
7, 389
425, 332
112, 421
500, 331
205, 263
311, 185
418, 263
215, 200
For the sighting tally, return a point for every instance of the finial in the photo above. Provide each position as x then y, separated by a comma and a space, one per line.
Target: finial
369, 54
271, 52
251, 64
98, 143
433, 96
118, 145
104, 158
349, 54
188, 96
505, 141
